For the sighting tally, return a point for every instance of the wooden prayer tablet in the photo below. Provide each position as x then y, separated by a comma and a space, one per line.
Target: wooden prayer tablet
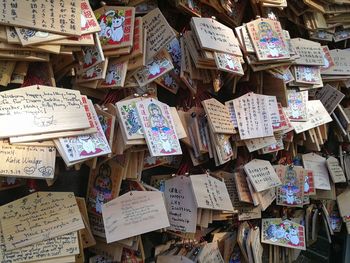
229, 63
330, 97
317, 115
307, 75
86, 146
253, 118
53, 248
210, 193
134, 213
88, 20
297, 110
262, 175
40, 109
335, 170
117, 26
27, 161
284, 233
159, 65
341, 60
129, 119
158, 128
229, 179
310, 52
158, 32
116, 73
178, 197
244, 194
268, 39
31, 219
97, 72
259, 143
91, 55
218, 116
210, 253
291, 192
213, 35
44, 15
318, 165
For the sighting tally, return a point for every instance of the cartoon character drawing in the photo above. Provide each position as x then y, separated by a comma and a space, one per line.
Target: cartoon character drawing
160, 128
292, 236
112, 76
104, 27
112, 27
156, 68
102, 187
89, 56
132, 119
273, 48
117, 31
295, 110
92, 72
88, 145
290, 188
269, 40
275, 232
308, 74
231, 63
43, 121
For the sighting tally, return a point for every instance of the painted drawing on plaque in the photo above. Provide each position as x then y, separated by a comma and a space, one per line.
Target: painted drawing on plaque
158, 127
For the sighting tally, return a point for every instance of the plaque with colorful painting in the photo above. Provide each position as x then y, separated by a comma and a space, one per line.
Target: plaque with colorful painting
115, 74
94, 73
103, 186
155, 68
297, 110
129, 119
327, 59
284, 233
117, 26
229, 63
86, 146
308, 74
268, 39
170, 81
91, 55
291, 192
158, 127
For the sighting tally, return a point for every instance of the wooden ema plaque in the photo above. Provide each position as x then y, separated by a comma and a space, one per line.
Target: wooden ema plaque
134, 213
117, 26
44, 15
341, 60
27, 161
54, 248
262, 175
158, 33
268, 39
310, 53
215, 36
31, 219
41, 109
218, 116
